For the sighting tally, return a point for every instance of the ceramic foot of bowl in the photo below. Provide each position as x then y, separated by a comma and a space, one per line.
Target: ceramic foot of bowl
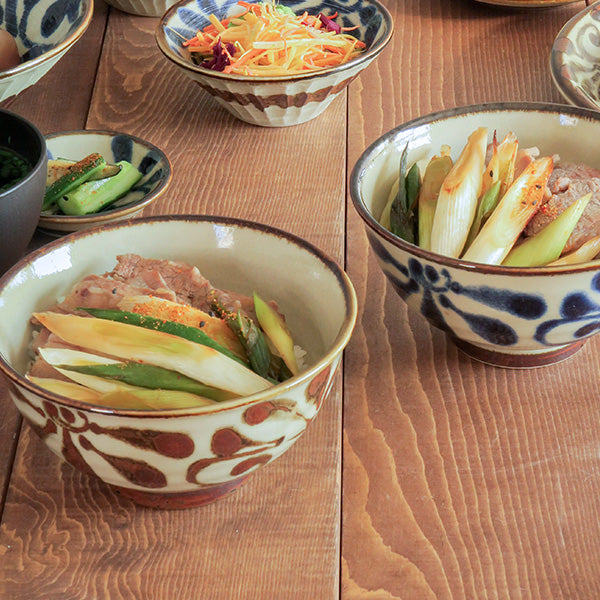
521, 360
176, 501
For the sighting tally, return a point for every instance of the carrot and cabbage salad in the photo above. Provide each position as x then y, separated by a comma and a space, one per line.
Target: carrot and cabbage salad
268, 39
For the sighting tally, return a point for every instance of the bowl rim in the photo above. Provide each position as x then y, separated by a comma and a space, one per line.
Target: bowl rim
565, 85
335, 348
58, 49
43, 154
47, 220
366, 56
362, 165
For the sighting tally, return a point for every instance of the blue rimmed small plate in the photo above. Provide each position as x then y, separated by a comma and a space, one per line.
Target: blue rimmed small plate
114, 147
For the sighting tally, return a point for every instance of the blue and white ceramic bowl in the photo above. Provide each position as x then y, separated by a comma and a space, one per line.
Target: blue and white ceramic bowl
143, 8
114, 147
44, 31
575, 59
514, 317
275, 101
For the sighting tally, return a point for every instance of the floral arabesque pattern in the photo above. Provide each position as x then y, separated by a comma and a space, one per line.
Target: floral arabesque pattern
436, 289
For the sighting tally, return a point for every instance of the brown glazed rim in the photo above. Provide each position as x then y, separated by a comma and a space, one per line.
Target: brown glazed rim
558, 68
368, 55
63, 46
335, 348
47, 220
402, 133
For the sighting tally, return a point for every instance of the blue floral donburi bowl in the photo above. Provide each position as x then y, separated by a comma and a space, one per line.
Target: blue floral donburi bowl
512, 317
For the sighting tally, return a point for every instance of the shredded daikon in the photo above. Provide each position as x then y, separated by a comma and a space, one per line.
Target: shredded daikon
270, 40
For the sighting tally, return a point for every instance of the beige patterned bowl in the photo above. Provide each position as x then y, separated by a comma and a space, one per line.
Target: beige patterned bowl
575, 59
275, 101
186, 457
44, 32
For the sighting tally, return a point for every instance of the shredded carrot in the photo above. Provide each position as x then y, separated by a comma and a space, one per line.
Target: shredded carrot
266, 40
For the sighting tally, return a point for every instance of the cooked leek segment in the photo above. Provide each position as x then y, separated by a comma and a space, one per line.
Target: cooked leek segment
185, 314
277, 331
513, 212
488, 202
507, 157
457, 201
583, 254
152, 399
384, 219
157, 348
136, 374
66, 388
491, 173
435, 173
548, 244
131, 396
401, 210
253, 341
193, 334
119, 396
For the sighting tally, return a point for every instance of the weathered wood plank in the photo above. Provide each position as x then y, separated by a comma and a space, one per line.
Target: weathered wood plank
460, 480
53, 106
279, 534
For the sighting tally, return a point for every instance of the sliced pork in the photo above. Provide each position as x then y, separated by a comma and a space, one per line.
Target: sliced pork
567, 183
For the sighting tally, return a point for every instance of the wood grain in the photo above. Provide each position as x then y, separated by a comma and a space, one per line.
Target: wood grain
65, 535
292, 177
279, 535
10, 424
52, 106
460, 480
60, 100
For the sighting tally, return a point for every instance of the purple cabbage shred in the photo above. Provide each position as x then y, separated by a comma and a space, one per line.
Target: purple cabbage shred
220, 58
330, 25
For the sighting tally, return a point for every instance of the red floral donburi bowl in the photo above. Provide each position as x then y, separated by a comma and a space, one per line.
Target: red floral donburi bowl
185, 457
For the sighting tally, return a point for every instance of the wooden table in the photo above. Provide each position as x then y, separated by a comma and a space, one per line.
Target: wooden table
438, 477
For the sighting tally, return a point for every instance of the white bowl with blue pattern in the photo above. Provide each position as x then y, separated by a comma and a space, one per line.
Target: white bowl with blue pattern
507, 316
275, 101
43, 31
143, 8
114, 147
575, 59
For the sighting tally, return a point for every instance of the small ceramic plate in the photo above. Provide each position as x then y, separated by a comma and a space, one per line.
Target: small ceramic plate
528, 3
575, 59
114, 147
